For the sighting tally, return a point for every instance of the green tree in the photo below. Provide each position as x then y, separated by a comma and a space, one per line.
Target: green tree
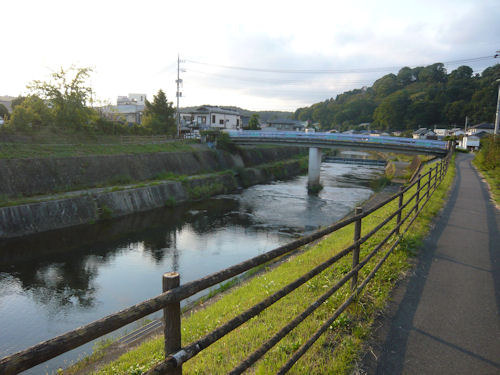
390, 114
4, 112
159, 115
32, 114
253, 123
386, 85
15, 102
69, 96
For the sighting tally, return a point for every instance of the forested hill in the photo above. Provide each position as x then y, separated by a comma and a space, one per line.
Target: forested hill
418, 97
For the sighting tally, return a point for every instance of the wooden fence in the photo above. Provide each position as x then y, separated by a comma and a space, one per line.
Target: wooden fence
173, 293
145, 139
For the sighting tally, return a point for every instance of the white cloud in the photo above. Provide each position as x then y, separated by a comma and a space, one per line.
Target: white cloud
133, 45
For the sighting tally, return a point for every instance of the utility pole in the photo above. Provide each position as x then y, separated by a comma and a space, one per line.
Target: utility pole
497, 118
178, 94
466, 123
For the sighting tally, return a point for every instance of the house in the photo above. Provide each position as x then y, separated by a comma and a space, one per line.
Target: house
441, 132
457, 132
208, 117
284, 125
469, 142
486, 127
424, 133
128, 109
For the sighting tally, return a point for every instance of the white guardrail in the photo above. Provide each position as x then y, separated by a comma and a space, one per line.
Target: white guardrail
359, 138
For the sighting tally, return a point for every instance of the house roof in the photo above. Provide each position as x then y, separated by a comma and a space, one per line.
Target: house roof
209, 109
483, 125
481, 134
420, 131
423, 131
288, 122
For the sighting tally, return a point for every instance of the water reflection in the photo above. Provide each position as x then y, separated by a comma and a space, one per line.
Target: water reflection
53, 282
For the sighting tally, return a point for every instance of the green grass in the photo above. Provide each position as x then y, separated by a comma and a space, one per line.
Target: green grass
493, 178
337, 351
38, 150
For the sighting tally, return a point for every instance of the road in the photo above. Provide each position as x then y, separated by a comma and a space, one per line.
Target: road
444, 319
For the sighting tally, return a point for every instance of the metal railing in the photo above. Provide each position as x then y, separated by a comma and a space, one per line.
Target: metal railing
173, 293
302, 137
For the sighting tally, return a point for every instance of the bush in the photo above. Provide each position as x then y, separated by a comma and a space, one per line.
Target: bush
488, 157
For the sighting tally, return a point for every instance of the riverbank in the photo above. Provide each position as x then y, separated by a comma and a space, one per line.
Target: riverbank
133, 183
89, 206
345, 338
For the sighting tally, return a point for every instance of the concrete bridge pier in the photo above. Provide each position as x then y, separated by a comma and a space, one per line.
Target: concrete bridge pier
313, 184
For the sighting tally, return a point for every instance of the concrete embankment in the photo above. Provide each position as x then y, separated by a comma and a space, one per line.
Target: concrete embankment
101, 204
29, 177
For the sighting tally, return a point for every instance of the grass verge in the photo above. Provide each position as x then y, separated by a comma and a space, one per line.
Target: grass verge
30, 150
337, 351
492, 176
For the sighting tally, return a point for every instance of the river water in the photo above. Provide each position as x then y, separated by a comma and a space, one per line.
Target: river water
54, 282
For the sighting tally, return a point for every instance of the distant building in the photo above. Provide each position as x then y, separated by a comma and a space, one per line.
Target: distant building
457, 132
424, 133
208, 117
284, 125
129, 109
484, 127
469, 142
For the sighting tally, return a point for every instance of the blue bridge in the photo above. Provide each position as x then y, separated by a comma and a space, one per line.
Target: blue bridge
317, 141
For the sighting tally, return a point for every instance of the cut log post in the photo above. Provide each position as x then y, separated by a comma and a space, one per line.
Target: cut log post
172, 320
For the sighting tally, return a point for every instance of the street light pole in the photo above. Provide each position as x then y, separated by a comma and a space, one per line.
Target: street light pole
497, 118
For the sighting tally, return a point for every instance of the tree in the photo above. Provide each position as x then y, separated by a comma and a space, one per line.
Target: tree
15, 102
4, 112
32, 114
386, 85
405, 76
253, 123
159, 115
390, 114
69, 96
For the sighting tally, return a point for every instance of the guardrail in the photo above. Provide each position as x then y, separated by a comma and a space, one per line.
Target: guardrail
173, 293
339, 139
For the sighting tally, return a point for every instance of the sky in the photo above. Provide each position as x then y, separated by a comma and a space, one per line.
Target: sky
294, 53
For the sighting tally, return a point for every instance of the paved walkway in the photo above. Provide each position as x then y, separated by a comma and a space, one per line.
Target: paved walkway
445, 318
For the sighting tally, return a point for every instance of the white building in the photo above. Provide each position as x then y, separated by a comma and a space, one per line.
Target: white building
208, 117
128, 109
470, 143
484, 127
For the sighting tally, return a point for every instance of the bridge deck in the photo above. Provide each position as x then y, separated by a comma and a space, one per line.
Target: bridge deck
334, 140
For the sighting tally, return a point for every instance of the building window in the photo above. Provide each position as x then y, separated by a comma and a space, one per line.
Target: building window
237, 122
203, 119
221, 122
213, 119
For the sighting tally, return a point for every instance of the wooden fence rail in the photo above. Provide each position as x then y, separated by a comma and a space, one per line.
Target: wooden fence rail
173, 293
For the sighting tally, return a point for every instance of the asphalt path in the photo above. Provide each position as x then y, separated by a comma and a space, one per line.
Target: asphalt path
445, 318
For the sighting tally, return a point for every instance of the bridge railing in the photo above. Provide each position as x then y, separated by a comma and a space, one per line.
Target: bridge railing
410, 204
357, 138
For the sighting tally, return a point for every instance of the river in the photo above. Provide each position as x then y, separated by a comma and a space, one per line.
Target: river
54, 282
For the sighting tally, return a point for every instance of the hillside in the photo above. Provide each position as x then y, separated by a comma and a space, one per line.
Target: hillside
418, 97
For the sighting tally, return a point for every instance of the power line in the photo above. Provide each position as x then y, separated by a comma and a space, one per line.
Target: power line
331, 71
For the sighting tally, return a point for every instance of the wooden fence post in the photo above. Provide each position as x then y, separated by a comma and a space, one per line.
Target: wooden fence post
400, 204
429, 184
355, 252
172, 319
417, 197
